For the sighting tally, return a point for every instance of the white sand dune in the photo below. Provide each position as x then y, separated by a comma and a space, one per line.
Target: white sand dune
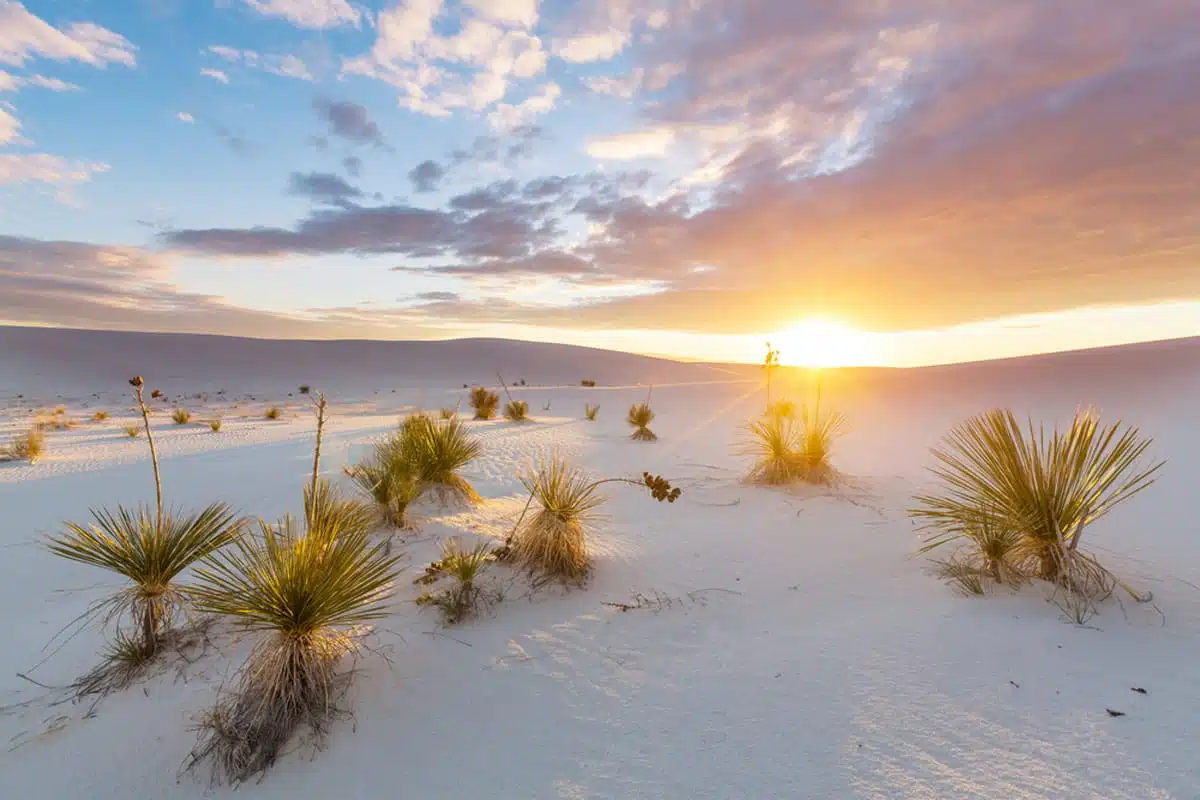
796, 648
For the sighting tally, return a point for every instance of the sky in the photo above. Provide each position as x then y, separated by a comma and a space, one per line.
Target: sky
895, 182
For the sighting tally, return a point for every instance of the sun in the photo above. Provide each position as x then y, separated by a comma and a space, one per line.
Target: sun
821, 343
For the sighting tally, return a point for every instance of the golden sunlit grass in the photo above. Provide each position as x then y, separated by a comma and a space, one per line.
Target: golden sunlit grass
817, 434
781, 408
133, 431
436, 451
29, 445
640, 416
516, 411
464, 567
100, 416
787, 451
389, 478
484, 402
553, 539
448, 413
214, 425
590, 412
1020, 499
181, 416
305, 588
273, 413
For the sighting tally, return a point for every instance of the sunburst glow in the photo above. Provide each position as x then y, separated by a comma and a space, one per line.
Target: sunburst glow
822, 343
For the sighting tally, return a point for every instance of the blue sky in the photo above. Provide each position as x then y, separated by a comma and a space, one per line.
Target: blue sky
874, 181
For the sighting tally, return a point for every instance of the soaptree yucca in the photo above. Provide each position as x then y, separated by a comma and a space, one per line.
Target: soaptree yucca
484, 402
516, 411
463, 567
150, 548
774, 443
305, 588
818, 431
590, 412
29, 445
436, 451
388, 477
1041, 489
640, 416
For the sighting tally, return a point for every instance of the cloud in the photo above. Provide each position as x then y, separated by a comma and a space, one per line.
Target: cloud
315, 14
216, 74
349, 121
10, 127
24, 36
589, 47
508, 117
291, 67
651, 143
426, 176
322, 187
516, 12
44, 168
353, 166
11, 83
287, 66
183, 116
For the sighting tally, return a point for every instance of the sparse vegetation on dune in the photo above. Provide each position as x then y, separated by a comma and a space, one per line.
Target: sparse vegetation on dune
100, 416
1019, 500
590, 412
484, 402
448, 413
640, 416
588, 383
29, 445
181, 416
388, 477
464, 567
552, 540
273, 413
436, 451
787, 451
818, 432
133, 431
305, 388
516, 411
214, 425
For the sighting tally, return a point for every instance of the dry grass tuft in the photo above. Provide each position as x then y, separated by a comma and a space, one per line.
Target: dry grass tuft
590, 412
273, 413
181, 416
640, 416
774, 443
306, 588
133, 431
484, 402
552, 540
214, 425
29, 445
448, 413
466, 597
516, 411
100, 416
1018, 500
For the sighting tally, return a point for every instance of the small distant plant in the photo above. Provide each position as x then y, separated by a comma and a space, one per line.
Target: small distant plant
484, 402
150, 548
1019, 499
436, 450
590, 412
29, 445
388, 477
100, 416
587, 383
181, 416
214, 425
516, 411
464, 567
521, 382
157, 394
133, 431
58, 412
273, 413
552, 542
305, 388
640, 416
448, 413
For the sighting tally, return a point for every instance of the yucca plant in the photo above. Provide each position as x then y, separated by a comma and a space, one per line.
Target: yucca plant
774, 443
590, 412
273, 413
306, 587
817, 434
448, 413
552, 541
436, 450
1046, 487
516, 411
484, 402
640, 416
181, 416
100, 416
388, 478
464, 566
150, 548
133, 431
214, 425
781, 408
29, 445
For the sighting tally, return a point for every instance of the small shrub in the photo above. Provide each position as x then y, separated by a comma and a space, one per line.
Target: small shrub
466, 596
306, 588
436, 450
100, 416
388, 478
516, 411
305, 388
29, 445
774, 443
816, 443
448, 413
587, 383
214, 425
640, 416
1020, 500
58, 412
133, 431
273, 413
590, 412
484, 402
181, 416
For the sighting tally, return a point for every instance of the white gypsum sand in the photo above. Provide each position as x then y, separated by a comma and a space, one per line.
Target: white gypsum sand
788, 644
